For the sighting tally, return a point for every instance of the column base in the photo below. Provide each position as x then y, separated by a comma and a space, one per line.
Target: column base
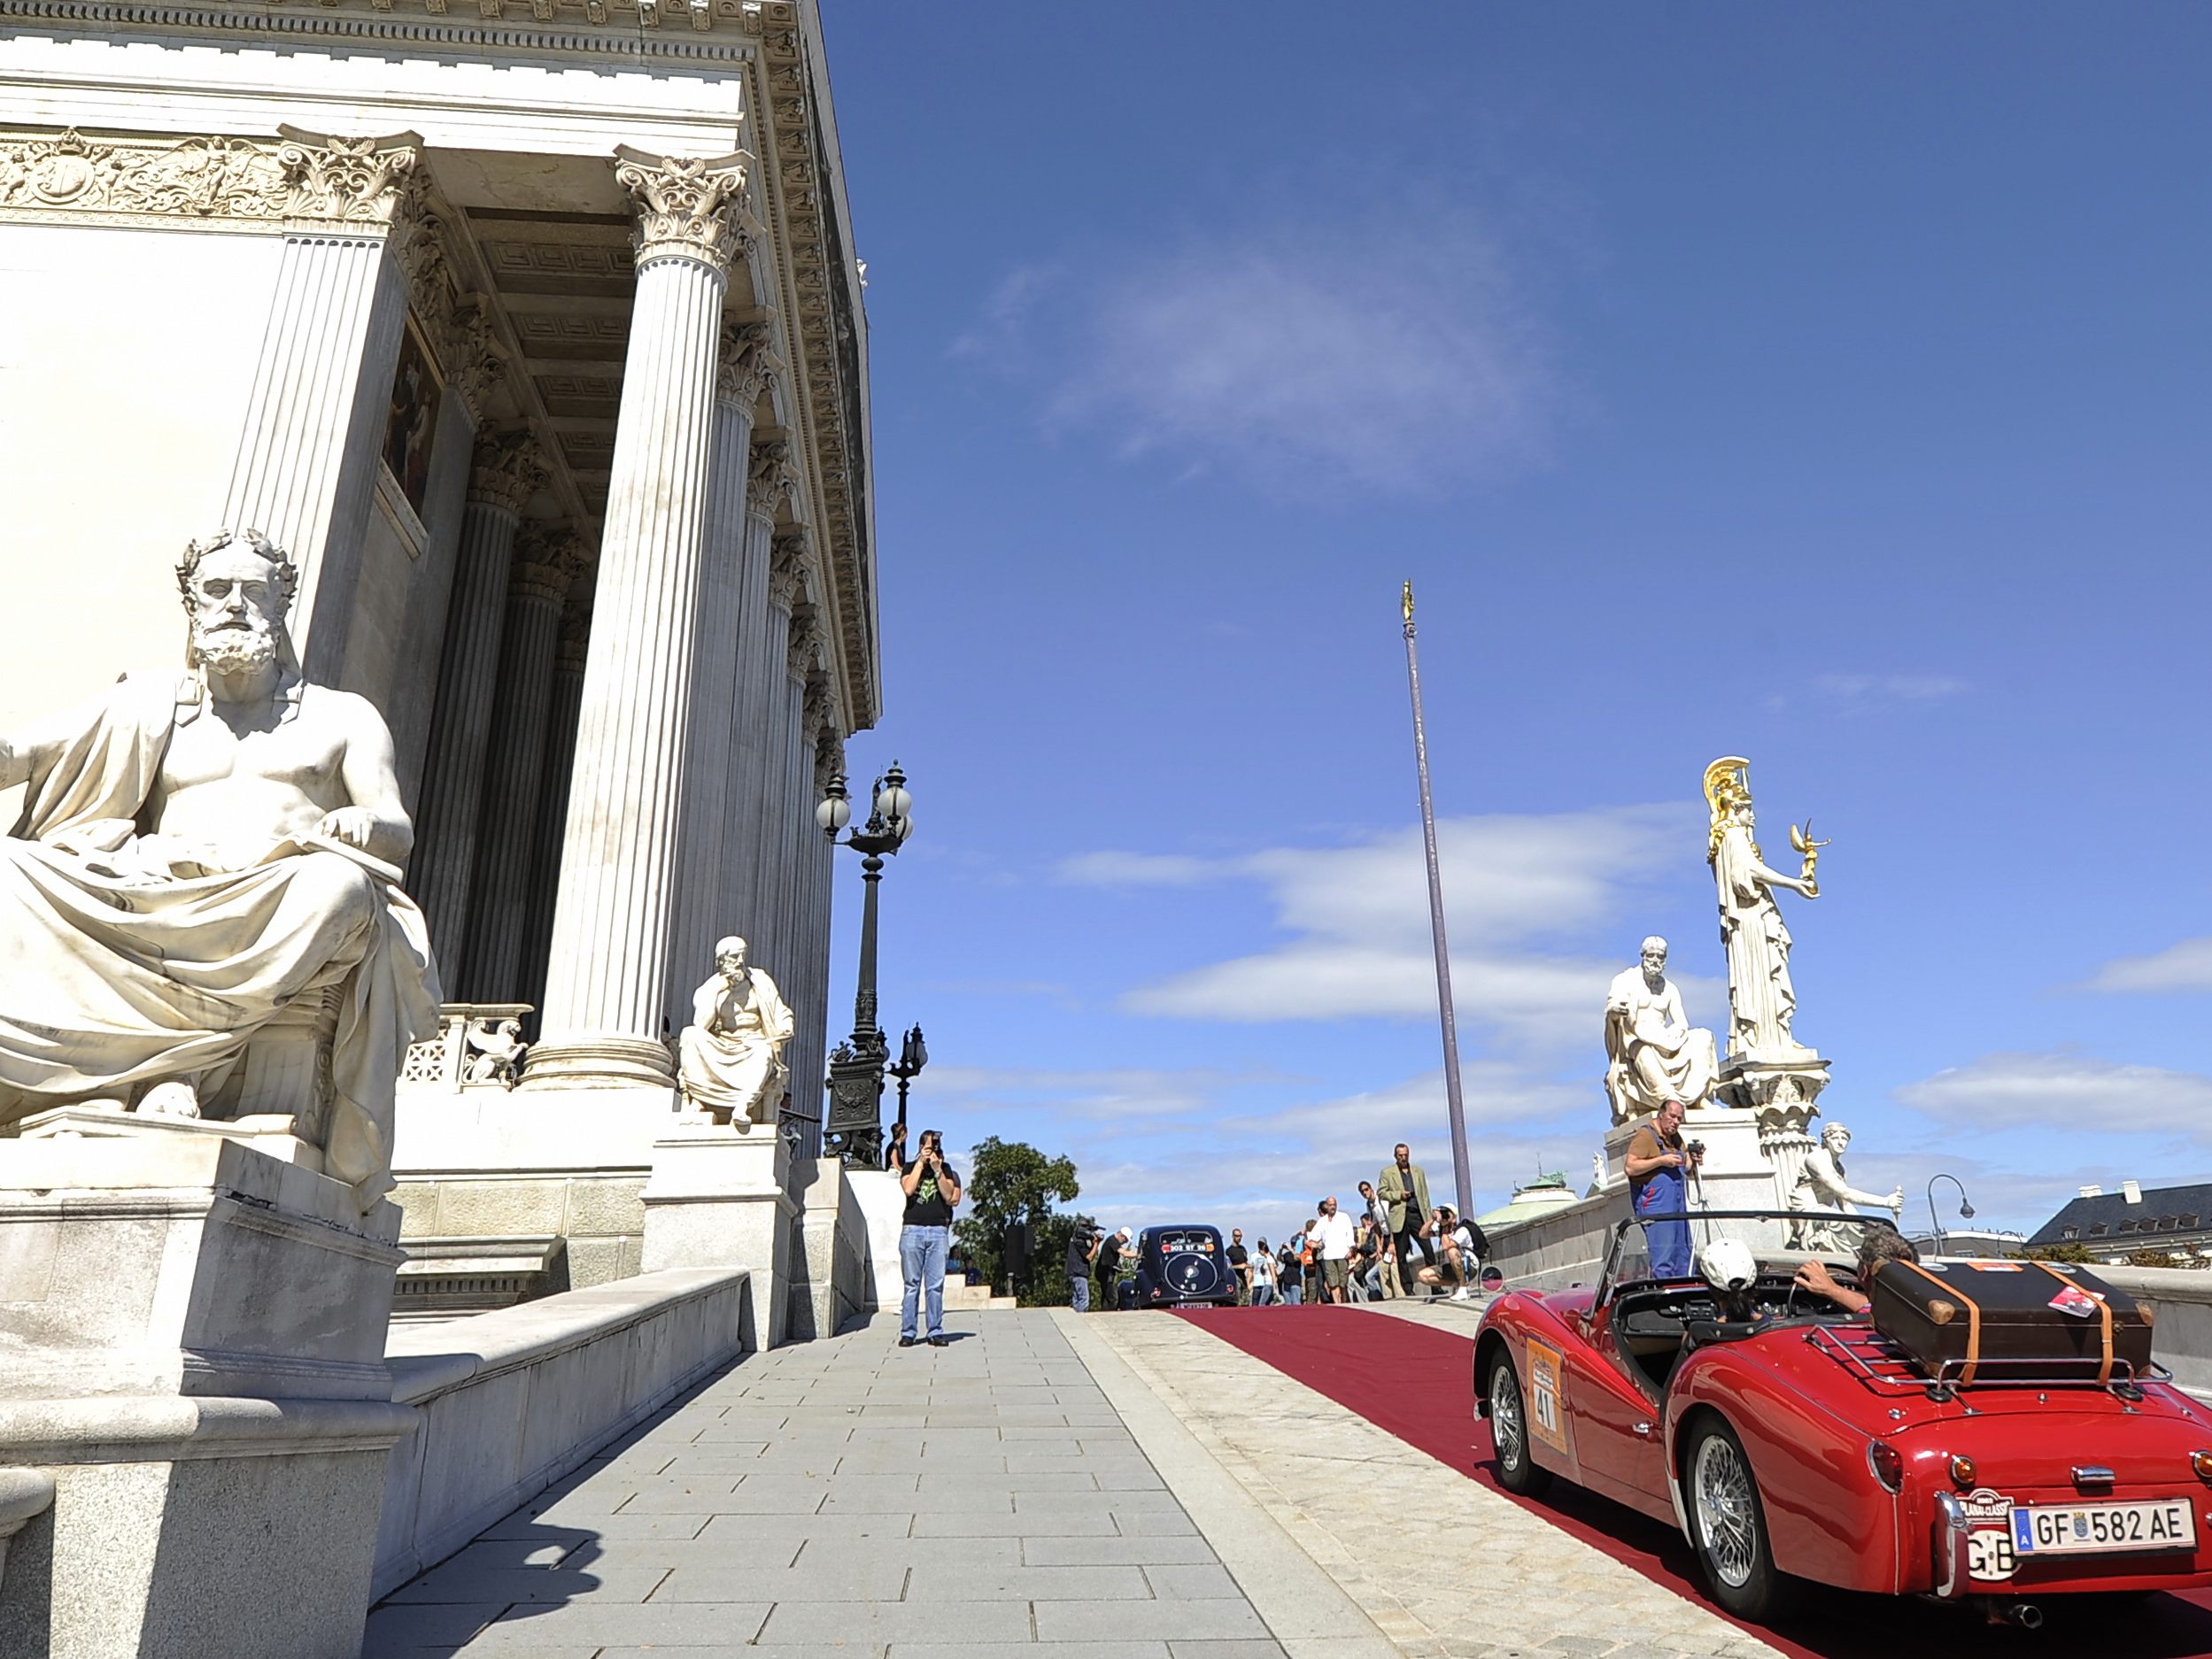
588, 1059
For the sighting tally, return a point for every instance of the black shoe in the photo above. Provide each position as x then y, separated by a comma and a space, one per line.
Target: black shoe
906, 1342
940, 1341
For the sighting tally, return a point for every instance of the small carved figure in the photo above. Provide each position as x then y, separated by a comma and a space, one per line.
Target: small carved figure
1821, 1189
731, 1055
1653, 1054
496, 1051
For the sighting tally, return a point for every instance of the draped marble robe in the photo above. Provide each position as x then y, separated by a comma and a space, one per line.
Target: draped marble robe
127, 958
731, 1053
1762, 1002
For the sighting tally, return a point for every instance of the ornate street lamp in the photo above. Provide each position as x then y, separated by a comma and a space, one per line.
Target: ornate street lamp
1966, 1210
854, 1129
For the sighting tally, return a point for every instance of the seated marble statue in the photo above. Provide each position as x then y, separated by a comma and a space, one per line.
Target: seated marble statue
731, 1053
1821, 1189
196, 854
1653, 1054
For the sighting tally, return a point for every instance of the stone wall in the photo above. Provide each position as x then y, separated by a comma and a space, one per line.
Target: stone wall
598, 1213
1564, 1248
513, 1400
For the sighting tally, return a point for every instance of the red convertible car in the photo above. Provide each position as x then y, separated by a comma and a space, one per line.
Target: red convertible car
1791, 1442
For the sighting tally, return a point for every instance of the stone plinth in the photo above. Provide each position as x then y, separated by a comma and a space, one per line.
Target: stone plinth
1737, 1174
1753, 1083
191, 1342
719, 1196
883, 1209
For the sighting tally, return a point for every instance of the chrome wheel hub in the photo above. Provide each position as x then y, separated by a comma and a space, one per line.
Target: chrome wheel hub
1505, 1426
1720, 1487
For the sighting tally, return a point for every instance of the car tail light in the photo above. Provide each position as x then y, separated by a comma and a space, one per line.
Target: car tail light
1962, 1472
2201, 1461
1888, 1465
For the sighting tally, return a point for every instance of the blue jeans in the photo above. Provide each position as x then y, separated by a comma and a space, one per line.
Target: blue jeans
1079, 1293
1293, 1294
1262, 1295
922, 1252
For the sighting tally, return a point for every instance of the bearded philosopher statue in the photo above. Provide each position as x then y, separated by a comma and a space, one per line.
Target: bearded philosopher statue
732, 1055
196, 854
1653, 1054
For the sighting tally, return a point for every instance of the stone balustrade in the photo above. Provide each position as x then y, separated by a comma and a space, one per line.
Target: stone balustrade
478, 1045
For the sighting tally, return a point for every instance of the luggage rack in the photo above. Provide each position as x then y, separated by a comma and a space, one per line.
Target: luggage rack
1882, 1365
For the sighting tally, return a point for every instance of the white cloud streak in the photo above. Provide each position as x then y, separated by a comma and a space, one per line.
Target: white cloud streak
1872, 691
1386, 353
2182, 967
2066, 1090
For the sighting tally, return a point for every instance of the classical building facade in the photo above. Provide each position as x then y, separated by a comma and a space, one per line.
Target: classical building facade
533, 330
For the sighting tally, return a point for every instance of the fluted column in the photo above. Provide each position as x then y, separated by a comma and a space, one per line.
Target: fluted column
552, 793
307, 466
810, 1006
546, 561
713, 784
606, 988
508, 472
765, 632
774, 721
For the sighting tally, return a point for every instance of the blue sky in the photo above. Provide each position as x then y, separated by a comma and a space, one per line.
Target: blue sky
1823, 386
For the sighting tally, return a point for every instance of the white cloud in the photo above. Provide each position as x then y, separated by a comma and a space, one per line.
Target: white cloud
1870, 690
2186, 966
1107, 1092
1358, 918
1385, 351
1138, 869
2070, 1090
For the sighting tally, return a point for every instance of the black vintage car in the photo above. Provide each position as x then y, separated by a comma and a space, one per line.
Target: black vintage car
1176, 1266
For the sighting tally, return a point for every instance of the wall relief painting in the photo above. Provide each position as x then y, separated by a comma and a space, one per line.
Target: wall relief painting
416, 390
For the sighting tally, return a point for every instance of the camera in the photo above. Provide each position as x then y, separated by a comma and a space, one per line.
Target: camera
1695, 1148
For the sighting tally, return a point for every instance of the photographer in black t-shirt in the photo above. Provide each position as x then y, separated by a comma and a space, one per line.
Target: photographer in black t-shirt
932, 1187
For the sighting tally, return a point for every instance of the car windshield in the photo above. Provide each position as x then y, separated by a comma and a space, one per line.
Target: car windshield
1780, 1239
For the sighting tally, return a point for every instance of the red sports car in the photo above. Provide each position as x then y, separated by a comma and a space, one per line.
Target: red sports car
1791, 1442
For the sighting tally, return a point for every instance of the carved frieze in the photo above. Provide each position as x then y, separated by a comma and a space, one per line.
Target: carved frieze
687, 207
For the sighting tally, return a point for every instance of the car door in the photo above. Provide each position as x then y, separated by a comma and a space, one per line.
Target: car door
1616, 1421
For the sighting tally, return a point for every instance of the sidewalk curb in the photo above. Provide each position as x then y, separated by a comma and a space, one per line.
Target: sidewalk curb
1308, 1611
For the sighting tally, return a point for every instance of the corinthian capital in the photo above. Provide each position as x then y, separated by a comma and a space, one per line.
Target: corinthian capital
772, 478
509, 469
353, 180
686, 208
747, 359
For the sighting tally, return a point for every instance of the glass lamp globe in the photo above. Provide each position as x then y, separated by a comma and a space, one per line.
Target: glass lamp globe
893, 802
833, 814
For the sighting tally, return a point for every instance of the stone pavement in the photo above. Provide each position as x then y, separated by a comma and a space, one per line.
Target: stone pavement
1445, 1567
847, 1497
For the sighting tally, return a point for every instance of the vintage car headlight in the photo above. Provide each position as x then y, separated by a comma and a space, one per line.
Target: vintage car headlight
2201, 1461
1962, 1472
1887, 1463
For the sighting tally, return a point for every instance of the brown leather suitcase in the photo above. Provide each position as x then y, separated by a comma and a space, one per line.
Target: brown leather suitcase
1995, 1322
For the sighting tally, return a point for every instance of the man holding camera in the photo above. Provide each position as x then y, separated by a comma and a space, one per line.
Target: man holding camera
1659, 1164
932, 1187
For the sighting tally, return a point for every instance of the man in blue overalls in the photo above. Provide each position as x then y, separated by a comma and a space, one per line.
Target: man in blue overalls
1658, 1164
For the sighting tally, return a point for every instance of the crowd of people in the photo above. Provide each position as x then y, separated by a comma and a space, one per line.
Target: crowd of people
1339, 1256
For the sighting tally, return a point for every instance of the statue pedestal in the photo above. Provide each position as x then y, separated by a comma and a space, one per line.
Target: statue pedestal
191, 1349
1736, 1173
719, 1197
1752, 1083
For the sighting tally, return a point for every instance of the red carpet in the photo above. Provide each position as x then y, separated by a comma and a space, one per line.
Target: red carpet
1416, 1382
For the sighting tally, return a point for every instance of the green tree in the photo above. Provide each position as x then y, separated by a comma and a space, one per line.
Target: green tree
1010, 1181
2153, 1259
2074, 1253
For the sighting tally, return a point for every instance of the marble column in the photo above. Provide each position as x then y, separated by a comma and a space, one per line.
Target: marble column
509, 471
713, 785
552, 793
777, 720
605, 991
546, 561
765, 632
810, 1006
314, 427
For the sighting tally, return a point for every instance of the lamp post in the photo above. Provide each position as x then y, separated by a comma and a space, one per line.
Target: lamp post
1966, 1210
855, 1128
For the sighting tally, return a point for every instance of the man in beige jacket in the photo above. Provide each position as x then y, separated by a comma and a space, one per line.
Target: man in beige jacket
1403, 1187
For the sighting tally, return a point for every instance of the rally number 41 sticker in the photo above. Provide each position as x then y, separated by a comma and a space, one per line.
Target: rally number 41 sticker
1547, 1410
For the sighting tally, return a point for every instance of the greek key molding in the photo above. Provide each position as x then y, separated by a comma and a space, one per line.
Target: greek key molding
300, 181
687, 207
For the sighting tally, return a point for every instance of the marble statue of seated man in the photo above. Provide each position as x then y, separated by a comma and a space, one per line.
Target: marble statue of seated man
196, 854
1653, 1054
731, 1053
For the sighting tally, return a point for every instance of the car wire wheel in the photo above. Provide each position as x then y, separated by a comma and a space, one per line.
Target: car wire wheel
1721, 1488
1517, 1471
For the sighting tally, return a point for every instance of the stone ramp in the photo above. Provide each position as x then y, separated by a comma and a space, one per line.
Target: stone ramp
848, 1497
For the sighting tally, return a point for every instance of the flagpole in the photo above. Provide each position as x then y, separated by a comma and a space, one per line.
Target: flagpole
1461, 1180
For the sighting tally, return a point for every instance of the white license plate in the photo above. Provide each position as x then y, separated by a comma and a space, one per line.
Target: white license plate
2080, 1529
